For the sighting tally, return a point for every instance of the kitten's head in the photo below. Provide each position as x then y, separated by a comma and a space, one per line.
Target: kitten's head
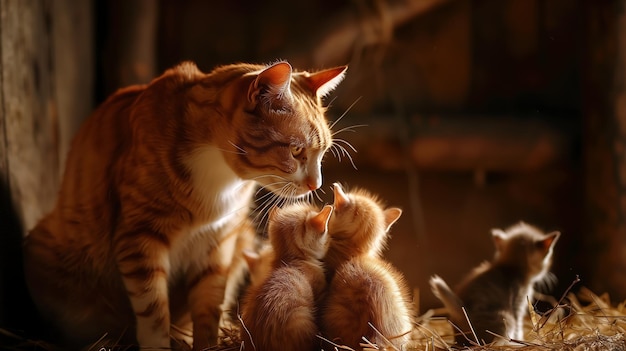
299, 231
279, 132
526, 246
360, 222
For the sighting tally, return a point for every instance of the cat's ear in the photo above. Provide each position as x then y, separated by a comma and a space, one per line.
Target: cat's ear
391, 216
319, 222
272, 83
323, 82
340, 197
550, 240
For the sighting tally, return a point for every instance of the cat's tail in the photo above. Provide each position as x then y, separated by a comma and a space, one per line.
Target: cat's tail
442, 291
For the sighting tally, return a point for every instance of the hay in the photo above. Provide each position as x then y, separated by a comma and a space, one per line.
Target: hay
580, 322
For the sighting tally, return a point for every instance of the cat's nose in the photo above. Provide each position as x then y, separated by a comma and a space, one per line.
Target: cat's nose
313, 183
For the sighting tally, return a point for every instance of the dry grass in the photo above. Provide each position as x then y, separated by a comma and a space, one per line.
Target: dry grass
580, 322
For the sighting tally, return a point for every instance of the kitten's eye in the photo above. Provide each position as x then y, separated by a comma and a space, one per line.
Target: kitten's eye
296, 150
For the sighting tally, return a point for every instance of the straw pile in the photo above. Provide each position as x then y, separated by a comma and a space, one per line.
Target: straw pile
579, 322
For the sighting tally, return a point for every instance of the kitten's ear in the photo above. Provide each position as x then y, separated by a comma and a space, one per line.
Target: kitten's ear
550, 240
391, 216
251, 257
320, 221
323, 82
273, 81
498, 236
340, 197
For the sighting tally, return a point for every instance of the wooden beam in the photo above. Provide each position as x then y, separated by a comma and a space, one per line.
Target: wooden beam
461, 143
604, 240
358, 28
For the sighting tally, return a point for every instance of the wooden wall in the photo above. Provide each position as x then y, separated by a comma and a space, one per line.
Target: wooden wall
46, 65
604, 88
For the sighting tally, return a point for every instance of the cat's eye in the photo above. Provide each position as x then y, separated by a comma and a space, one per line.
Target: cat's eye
296, 150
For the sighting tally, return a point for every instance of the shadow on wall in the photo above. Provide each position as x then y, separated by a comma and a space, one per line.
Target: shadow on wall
18, 315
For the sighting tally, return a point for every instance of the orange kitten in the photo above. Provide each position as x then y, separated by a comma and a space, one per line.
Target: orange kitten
495, 293
157, 182
364, 289
279, 311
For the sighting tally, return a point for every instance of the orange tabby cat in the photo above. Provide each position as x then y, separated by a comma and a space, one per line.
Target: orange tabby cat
157, 181
364, 289
279, 311
495, 293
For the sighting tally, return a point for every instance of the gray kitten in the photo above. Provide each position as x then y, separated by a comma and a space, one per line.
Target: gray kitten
495, 293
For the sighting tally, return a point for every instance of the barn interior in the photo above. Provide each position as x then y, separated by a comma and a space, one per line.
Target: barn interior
468, 114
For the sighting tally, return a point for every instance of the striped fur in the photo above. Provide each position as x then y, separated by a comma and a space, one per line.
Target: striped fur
363, 287
157, 187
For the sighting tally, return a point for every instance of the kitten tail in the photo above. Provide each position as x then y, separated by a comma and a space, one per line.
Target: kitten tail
442, 291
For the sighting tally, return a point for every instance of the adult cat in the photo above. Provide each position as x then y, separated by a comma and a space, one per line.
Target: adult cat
157, 188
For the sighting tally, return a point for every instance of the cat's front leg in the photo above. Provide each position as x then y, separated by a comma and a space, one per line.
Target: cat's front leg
207, 286
143, 263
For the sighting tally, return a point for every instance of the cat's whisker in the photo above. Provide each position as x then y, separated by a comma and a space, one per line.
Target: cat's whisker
330, 103
342, 150
349, 129
345, 142
332, 151
230, 151
280, 197
345, 112
266, 187
347, 154
269, 175
268, 200
336, 152
243, 151
240, 151
268, 194
317, 195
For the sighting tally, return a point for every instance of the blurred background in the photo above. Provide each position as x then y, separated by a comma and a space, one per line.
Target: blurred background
468, 114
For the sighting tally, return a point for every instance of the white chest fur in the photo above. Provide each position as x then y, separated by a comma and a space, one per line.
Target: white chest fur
222, 197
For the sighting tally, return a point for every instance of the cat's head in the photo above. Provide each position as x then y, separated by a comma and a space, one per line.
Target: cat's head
299, 231
360, 222
526, 246
279, 131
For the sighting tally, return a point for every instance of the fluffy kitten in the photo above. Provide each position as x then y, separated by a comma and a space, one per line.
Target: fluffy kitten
364, 288
157, 182
495, 293
279, 311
